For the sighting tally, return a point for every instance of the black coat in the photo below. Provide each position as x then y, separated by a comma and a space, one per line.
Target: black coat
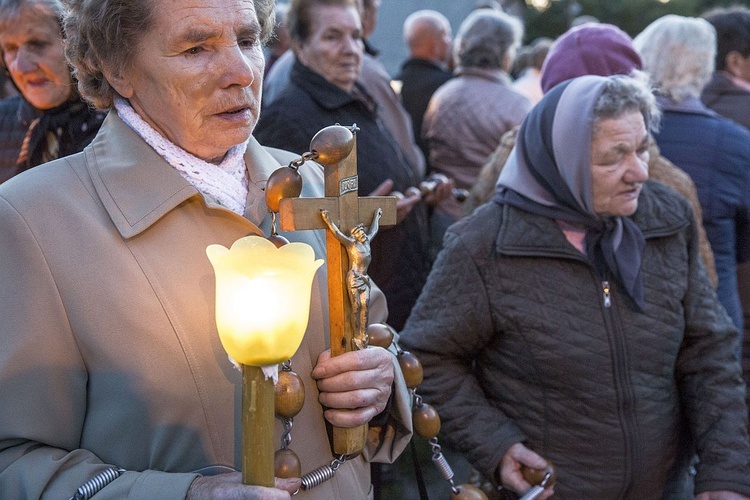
400, 261
420, 79
73, 124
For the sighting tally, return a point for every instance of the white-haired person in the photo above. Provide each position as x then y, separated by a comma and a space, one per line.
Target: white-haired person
679, 53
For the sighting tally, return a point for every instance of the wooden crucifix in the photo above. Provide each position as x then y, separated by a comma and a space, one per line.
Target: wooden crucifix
343, 214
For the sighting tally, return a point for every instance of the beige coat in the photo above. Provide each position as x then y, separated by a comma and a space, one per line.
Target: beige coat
110, 353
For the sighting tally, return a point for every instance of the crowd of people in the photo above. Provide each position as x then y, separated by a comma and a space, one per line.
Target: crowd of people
570, 260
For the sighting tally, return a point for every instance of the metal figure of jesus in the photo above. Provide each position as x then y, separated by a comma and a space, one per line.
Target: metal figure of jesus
358, 283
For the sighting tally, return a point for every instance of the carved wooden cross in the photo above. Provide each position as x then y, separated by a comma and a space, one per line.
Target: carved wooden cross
346, 209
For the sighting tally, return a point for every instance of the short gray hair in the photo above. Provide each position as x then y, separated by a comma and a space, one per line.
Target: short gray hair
11, 9
105, 33
678, 52
623, 94
486, 38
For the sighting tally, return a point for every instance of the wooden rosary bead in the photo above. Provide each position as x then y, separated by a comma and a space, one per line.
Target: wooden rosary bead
380, 335
289, 394
535, 476
332, 144
468, 492
426, 421
283, 183
286, 464
411, 368
278, 240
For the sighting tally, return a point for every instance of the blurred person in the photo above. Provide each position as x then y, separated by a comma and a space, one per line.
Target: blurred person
581, 20
468, 115
728, 91
583, 331
323, 89
528, 83
375, 78
678, 53
488, 4
369, 18
604, 50
279, 41
111, 368
427, 34
47, 118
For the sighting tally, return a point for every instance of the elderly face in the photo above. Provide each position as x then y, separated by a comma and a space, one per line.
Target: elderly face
198, 74
334, 47
619, 164
33, 53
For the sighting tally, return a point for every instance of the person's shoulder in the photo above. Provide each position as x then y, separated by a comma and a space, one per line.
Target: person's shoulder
480, 228
9, 108
660, 206
43, 183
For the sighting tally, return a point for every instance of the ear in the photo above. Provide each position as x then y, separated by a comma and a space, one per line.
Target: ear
508, 62
734, 63
120, 81
296, 47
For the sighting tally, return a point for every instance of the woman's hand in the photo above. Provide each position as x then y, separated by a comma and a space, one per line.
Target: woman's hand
354, 386
229, 487
404, 202
510, 469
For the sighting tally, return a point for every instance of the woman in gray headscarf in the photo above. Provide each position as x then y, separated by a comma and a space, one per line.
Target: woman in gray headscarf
583, 328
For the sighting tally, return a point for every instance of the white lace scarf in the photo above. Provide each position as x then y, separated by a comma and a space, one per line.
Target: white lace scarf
226, 182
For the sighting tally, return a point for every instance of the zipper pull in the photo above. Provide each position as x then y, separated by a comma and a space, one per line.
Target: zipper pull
606, 293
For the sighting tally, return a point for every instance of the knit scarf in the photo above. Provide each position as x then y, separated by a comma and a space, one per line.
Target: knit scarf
52, 132
226, 182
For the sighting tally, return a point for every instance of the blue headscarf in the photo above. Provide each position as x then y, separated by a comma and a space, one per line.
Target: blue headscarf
548, 173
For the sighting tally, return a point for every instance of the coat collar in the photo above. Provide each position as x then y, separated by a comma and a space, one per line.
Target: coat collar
137, 187
523, 233
326, 94
493, 75
691, 105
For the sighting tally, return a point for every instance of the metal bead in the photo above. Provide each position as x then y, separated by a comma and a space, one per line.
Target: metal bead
332, 144
535, 476
468, 492
283, 183
411, 368
426, 421
380, 335
286, 464
289, 394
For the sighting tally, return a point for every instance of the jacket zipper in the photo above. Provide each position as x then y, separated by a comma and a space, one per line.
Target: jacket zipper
623, 386
606, 294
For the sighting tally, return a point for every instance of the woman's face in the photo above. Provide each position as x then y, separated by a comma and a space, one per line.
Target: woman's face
334, 47
619, 164
197, 74
33, 53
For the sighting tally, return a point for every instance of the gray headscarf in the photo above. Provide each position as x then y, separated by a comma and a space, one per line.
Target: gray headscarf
548, 173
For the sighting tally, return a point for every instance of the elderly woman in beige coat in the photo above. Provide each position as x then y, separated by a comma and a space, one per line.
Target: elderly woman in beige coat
110, 358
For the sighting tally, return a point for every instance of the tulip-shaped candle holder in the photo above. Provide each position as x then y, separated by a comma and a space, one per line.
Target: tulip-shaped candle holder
262, 309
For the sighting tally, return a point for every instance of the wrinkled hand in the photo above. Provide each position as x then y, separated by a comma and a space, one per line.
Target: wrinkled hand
720, 495
354, 386
510, 469
443, 189
404, 202
230, 487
